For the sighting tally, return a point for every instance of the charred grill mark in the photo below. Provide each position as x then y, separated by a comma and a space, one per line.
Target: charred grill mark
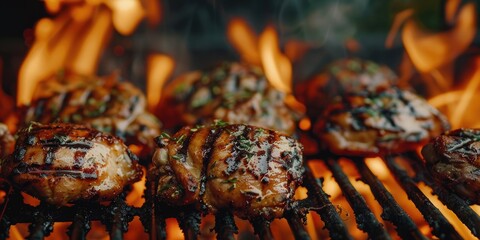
40, 108
19, 154
46, 170
238, 151
207, 149
64, 99
265, 161
49, 154
79, 158
133, 103
182, 153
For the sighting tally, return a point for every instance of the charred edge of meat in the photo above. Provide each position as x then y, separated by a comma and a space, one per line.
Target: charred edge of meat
65, 163
452, 159
344, 76
394, 120
233, 92
243, 139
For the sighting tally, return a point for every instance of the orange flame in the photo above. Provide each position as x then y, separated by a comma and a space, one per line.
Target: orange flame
159, 68
277, 66
430, 51
244, 40
74, 39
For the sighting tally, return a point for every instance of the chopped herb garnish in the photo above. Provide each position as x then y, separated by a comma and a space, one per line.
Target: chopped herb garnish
231, 180
77, 117
259, 132
165, 135
181, 139
213, 164
60, 138
196, 128
219, 123
165, 187
177, 157
244, 144
32, 124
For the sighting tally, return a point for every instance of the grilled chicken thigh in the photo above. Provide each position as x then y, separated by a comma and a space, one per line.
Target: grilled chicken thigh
249, 170
342, 77
110, 106
63, 163
233, 92
378, 122
6, 141
453, 159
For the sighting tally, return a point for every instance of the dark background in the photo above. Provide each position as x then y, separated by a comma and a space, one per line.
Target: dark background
193, 32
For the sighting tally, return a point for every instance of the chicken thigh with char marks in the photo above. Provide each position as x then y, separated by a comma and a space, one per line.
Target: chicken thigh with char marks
250, 171
64, 163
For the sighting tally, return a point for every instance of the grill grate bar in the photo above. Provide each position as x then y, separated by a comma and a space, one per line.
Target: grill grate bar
392, 212
365, 218
262, 228
327, 211
41, 227
294, 218
189, 222
225, 225
80, 225
441, 227
461, 208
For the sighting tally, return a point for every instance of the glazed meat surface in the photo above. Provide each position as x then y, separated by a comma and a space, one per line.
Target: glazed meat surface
380, 122
106, 104
342, 77
64, 163
233, 92
248, 170
6, 141
453, 159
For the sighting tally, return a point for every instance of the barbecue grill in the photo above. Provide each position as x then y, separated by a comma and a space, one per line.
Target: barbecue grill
118, 214
130, 54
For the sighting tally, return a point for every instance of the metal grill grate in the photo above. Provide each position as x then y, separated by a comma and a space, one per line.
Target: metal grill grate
118, 214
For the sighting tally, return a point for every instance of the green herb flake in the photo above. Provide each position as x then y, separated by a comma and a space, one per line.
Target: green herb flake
213, 164
230, 180
77, 117
177, 156
219, 123
244, 144
181, 139
165, 135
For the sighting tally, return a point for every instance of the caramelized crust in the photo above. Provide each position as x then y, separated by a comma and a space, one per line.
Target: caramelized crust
453, 159
381, 122
340, 78
6, 141
248, 170
233, 92
64, 163
105, 104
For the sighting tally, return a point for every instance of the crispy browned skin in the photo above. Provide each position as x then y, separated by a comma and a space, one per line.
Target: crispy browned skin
344, 76
454, 161
6, 141
110, 106
248, 170
233, 92
381, 122
63, 163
